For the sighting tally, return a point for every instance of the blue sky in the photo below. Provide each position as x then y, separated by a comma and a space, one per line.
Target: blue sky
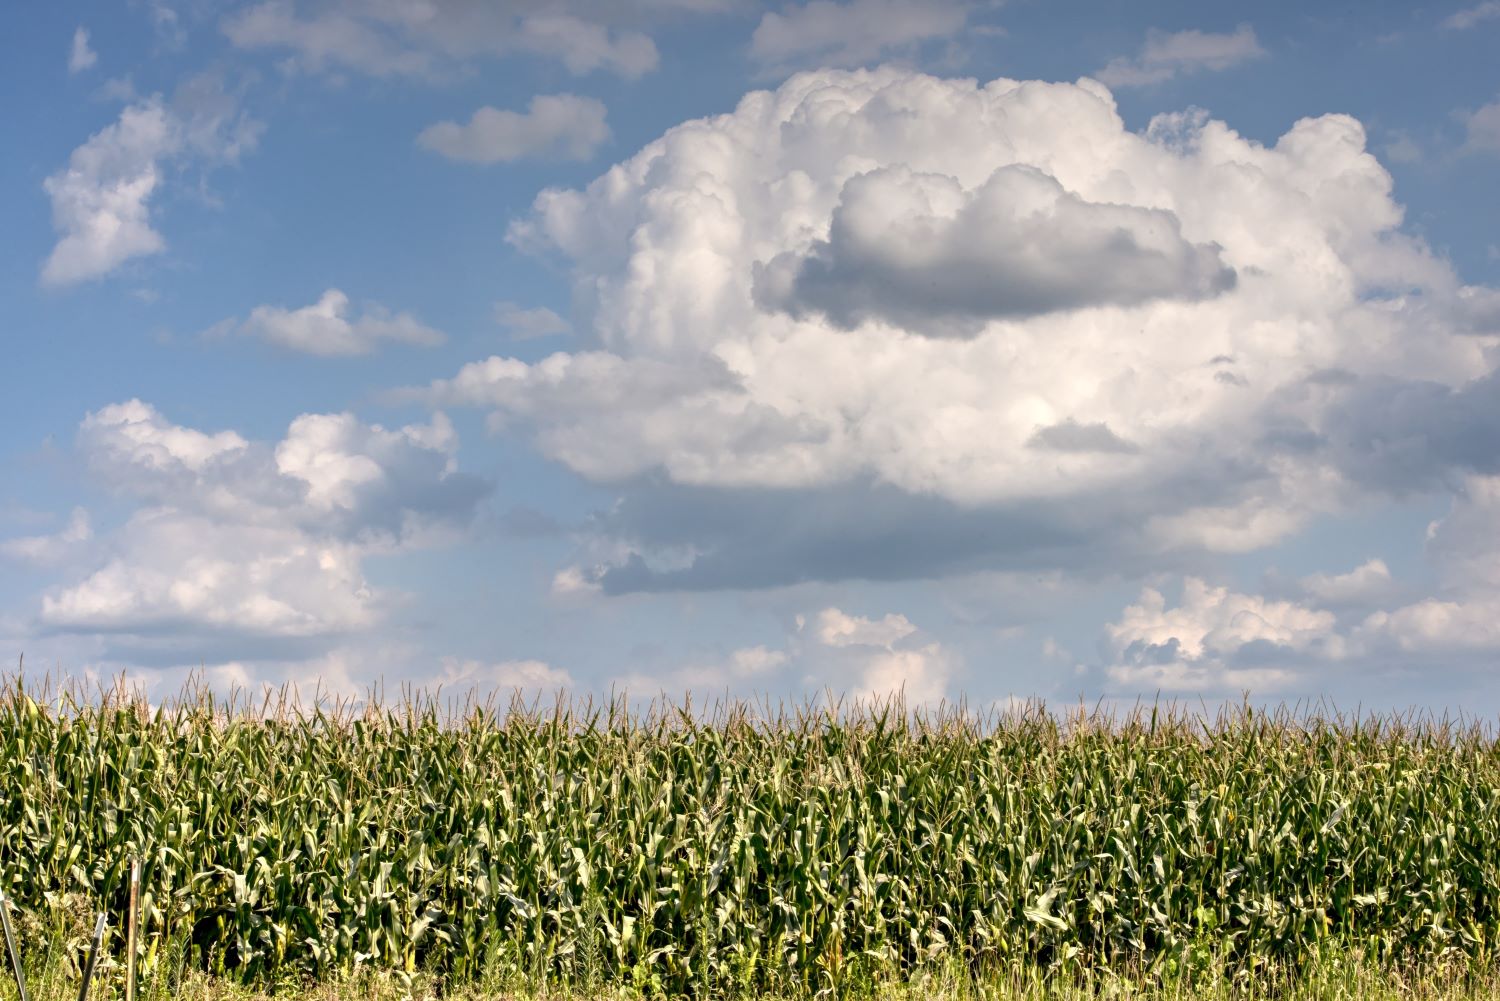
995, 350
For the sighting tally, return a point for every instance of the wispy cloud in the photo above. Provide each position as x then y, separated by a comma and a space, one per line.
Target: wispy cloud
80, 56
1470, 16
559, 125
526, 324
853, 33
1484, 129
1167, 55
390, 40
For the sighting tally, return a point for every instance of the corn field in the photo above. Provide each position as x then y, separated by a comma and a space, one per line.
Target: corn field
744, 849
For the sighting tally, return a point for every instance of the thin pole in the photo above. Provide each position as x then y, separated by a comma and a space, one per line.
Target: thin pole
131, 934
10, 946
88, 968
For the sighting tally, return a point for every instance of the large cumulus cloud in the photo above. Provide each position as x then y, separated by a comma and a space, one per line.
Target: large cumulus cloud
1170, 340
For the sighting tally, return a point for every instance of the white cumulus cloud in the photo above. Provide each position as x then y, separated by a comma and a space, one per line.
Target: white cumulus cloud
1369, 583
1186, 341
242, 543
101, 201
182, 571
330, 327
878, 659
918, 676
836, 628
134, 437
1216, 640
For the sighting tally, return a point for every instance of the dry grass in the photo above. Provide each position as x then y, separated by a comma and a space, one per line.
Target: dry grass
1335, 979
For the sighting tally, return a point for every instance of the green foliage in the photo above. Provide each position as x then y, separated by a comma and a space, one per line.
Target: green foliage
587, 848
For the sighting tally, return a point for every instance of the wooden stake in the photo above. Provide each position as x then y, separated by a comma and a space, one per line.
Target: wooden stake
88, 967
132, 933
10, 946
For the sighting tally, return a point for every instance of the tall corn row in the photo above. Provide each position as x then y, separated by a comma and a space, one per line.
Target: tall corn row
683, 853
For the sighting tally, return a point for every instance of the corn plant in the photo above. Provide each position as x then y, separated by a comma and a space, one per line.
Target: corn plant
742, 849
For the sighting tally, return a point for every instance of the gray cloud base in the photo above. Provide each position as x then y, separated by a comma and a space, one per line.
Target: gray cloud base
918, 251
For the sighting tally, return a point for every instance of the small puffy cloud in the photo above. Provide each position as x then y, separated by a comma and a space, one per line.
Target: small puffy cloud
331, 328
1366, 585
101, 201
555, 125
917, 676
433, 39
836, 628
755, 661
1467, 18
527, 324
918, 249
878, 658
47, 549
242, 545
80, 56
1216, 640
1483, 128
575, 582
852, 33
1166, 55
